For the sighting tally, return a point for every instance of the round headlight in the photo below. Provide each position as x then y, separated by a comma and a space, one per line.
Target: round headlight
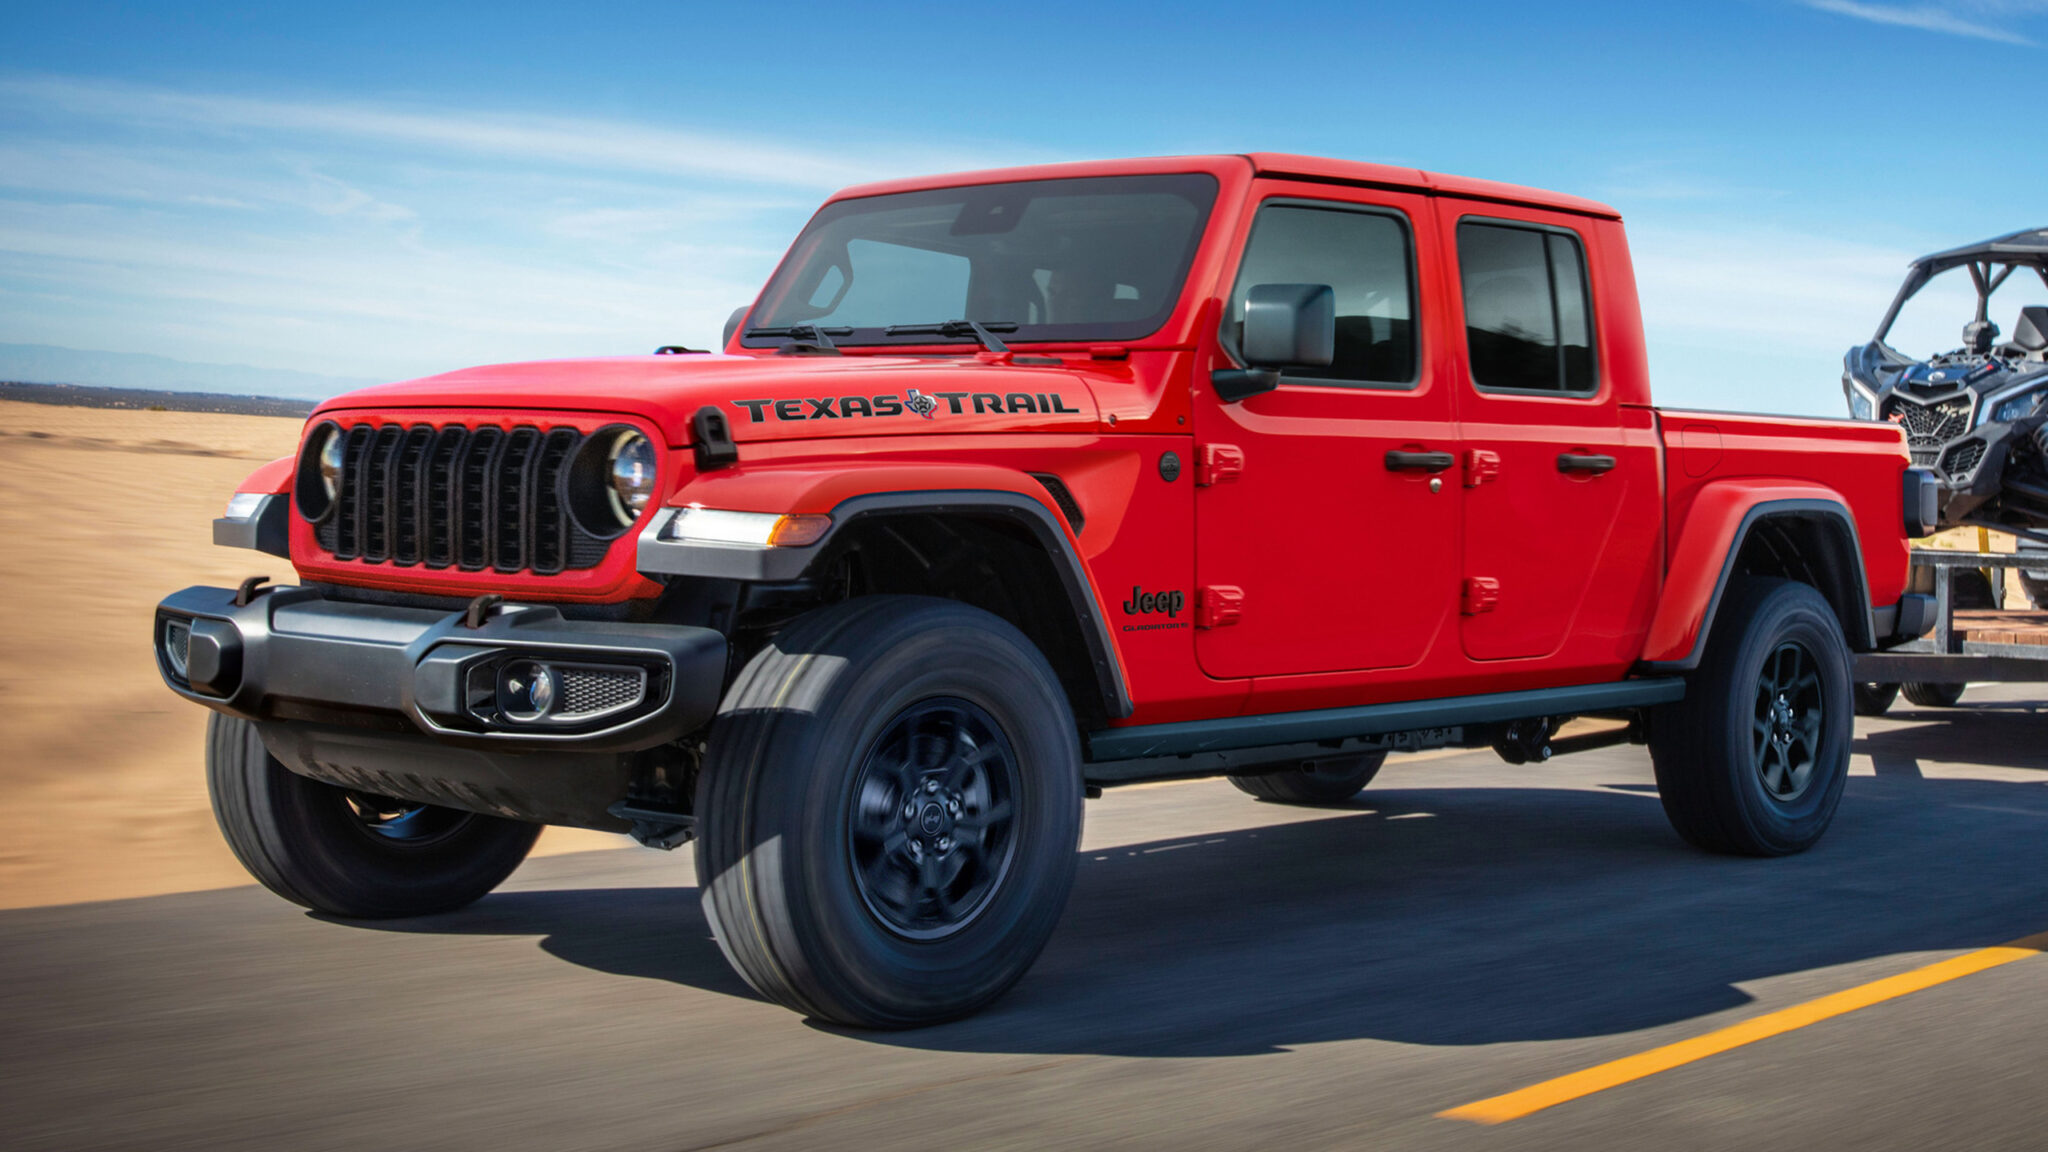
319, 476
330, 464
632, 475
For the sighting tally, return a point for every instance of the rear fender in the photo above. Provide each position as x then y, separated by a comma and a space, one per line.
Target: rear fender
1722, 519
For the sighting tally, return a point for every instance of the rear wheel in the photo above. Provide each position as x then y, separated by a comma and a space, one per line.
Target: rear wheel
1929, 695
1332, 780
1875, 699
888, 812
1753, 760
351, 853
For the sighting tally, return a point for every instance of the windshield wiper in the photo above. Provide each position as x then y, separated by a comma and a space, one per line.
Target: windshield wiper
956, 328
803, 337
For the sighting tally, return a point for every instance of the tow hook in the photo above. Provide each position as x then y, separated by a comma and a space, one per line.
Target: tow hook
1527, 741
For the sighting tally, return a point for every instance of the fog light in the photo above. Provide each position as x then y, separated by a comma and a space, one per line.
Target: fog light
178, 646
526, 690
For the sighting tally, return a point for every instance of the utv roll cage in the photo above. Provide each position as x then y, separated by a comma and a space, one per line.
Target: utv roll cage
1991, 263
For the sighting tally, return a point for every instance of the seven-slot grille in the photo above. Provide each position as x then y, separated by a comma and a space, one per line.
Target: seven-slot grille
469, 498
1929, 426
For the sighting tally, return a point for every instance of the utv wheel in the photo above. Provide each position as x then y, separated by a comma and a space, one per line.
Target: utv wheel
349, 853
1753, 760
1934, 695
1315, 782
888, 812
2036, 590
1875, 699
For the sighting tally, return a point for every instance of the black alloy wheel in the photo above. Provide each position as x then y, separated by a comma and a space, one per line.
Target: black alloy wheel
930, 830
1791, 718
403, 822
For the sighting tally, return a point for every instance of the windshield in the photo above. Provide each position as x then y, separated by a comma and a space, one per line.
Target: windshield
1067, 260
1931, 321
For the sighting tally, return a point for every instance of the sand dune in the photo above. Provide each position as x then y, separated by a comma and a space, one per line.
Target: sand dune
103, 511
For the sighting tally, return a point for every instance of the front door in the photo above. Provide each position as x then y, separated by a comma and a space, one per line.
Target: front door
1326, 526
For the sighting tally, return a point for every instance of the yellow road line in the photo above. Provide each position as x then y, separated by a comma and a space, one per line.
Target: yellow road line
1537, 1097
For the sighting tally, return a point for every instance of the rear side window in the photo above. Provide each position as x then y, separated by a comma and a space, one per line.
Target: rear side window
1528, 324
1365, 258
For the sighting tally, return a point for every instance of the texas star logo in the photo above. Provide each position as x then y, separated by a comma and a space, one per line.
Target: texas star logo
920, 403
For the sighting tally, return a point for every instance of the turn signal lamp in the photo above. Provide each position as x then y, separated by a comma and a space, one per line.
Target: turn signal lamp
759, 529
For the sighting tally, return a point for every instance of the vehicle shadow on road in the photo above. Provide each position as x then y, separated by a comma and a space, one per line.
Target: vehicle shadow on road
1996, 733
1457, 916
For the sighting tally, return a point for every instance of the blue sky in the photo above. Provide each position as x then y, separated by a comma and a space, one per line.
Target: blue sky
389, 190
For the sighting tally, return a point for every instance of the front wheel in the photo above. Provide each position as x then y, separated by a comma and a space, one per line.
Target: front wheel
888, 812
1928, 695
351, 853
1315, 783
1753, 761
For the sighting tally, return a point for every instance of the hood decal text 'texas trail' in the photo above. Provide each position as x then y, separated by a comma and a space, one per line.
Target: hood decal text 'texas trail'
922, 404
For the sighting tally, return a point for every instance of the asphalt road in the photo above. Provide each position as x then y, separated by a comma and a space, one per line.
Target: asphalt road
1229, 974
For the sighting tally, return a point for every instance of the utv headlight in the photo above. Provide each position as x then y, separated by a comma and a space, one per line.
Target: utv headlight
318, 482
2012, 409
1860, 405
632, 475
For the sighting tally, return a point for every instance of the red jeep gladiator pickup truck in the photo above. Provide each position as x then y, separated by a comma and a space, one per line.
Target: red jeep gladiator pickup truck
1009, 487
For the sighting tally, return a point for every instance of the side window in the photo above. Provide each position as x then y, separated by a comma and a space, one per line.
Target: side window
1365, 258
1527, 321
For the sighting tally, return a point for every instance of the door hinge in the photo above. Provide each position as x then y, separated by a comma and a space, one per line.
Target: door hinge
1481, 594
1219, 606
1481, 466
1221, 464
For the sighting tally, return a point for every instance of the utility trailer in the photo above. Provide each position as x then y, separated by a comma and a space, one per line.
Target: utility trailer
1966, 645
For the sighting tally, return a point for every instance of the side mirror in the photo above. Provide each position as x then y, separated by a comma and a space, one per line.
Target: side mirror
1285, 326
732, 325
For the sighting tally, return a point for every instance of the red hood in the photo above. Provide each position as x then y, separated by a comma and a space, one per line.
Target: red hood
768, 397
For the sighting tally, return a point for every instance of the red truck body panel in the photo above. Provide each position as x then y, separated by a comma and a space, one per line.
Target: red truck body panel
1323, 578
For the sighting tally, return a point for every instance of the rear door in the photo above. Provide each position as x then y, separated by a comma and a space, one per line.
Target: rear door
1332, 559
1559, 486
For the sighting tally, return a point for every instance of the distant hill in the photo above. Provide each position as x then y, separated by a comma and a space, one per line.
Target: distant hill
49, 364
74, 396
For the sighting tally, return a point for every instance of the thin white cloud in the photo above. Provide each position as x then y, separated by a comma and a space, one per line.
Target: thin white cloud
609, 145
1936, 17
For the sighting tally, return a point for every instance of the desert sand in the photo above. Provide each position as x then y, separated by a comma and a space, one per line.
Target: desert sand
103, 511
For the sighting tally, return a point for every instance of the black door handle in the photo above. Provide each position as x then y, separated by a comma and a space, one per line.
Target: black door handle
1398, 461
1573, 462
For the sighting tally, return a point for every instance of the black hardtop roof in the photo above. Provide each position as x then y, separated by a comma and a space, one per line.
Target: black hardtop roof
2029, 246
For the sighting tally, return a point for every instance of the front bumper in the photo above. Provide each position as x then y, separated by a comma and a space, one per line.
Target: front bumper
409, 702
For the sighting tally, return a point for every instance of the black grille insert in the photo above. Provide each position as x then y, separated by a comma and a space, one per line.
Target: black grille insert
468, 498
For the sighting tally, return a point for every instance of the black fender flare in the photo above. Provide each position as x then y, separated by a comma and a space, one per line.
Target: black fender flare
776, 565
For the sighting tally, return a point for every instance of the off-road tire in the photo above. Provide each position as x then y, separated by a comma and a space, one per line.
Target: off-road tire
1315, 783
1930, 695
789, 795
1875, 699
1715, 751
305, 841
